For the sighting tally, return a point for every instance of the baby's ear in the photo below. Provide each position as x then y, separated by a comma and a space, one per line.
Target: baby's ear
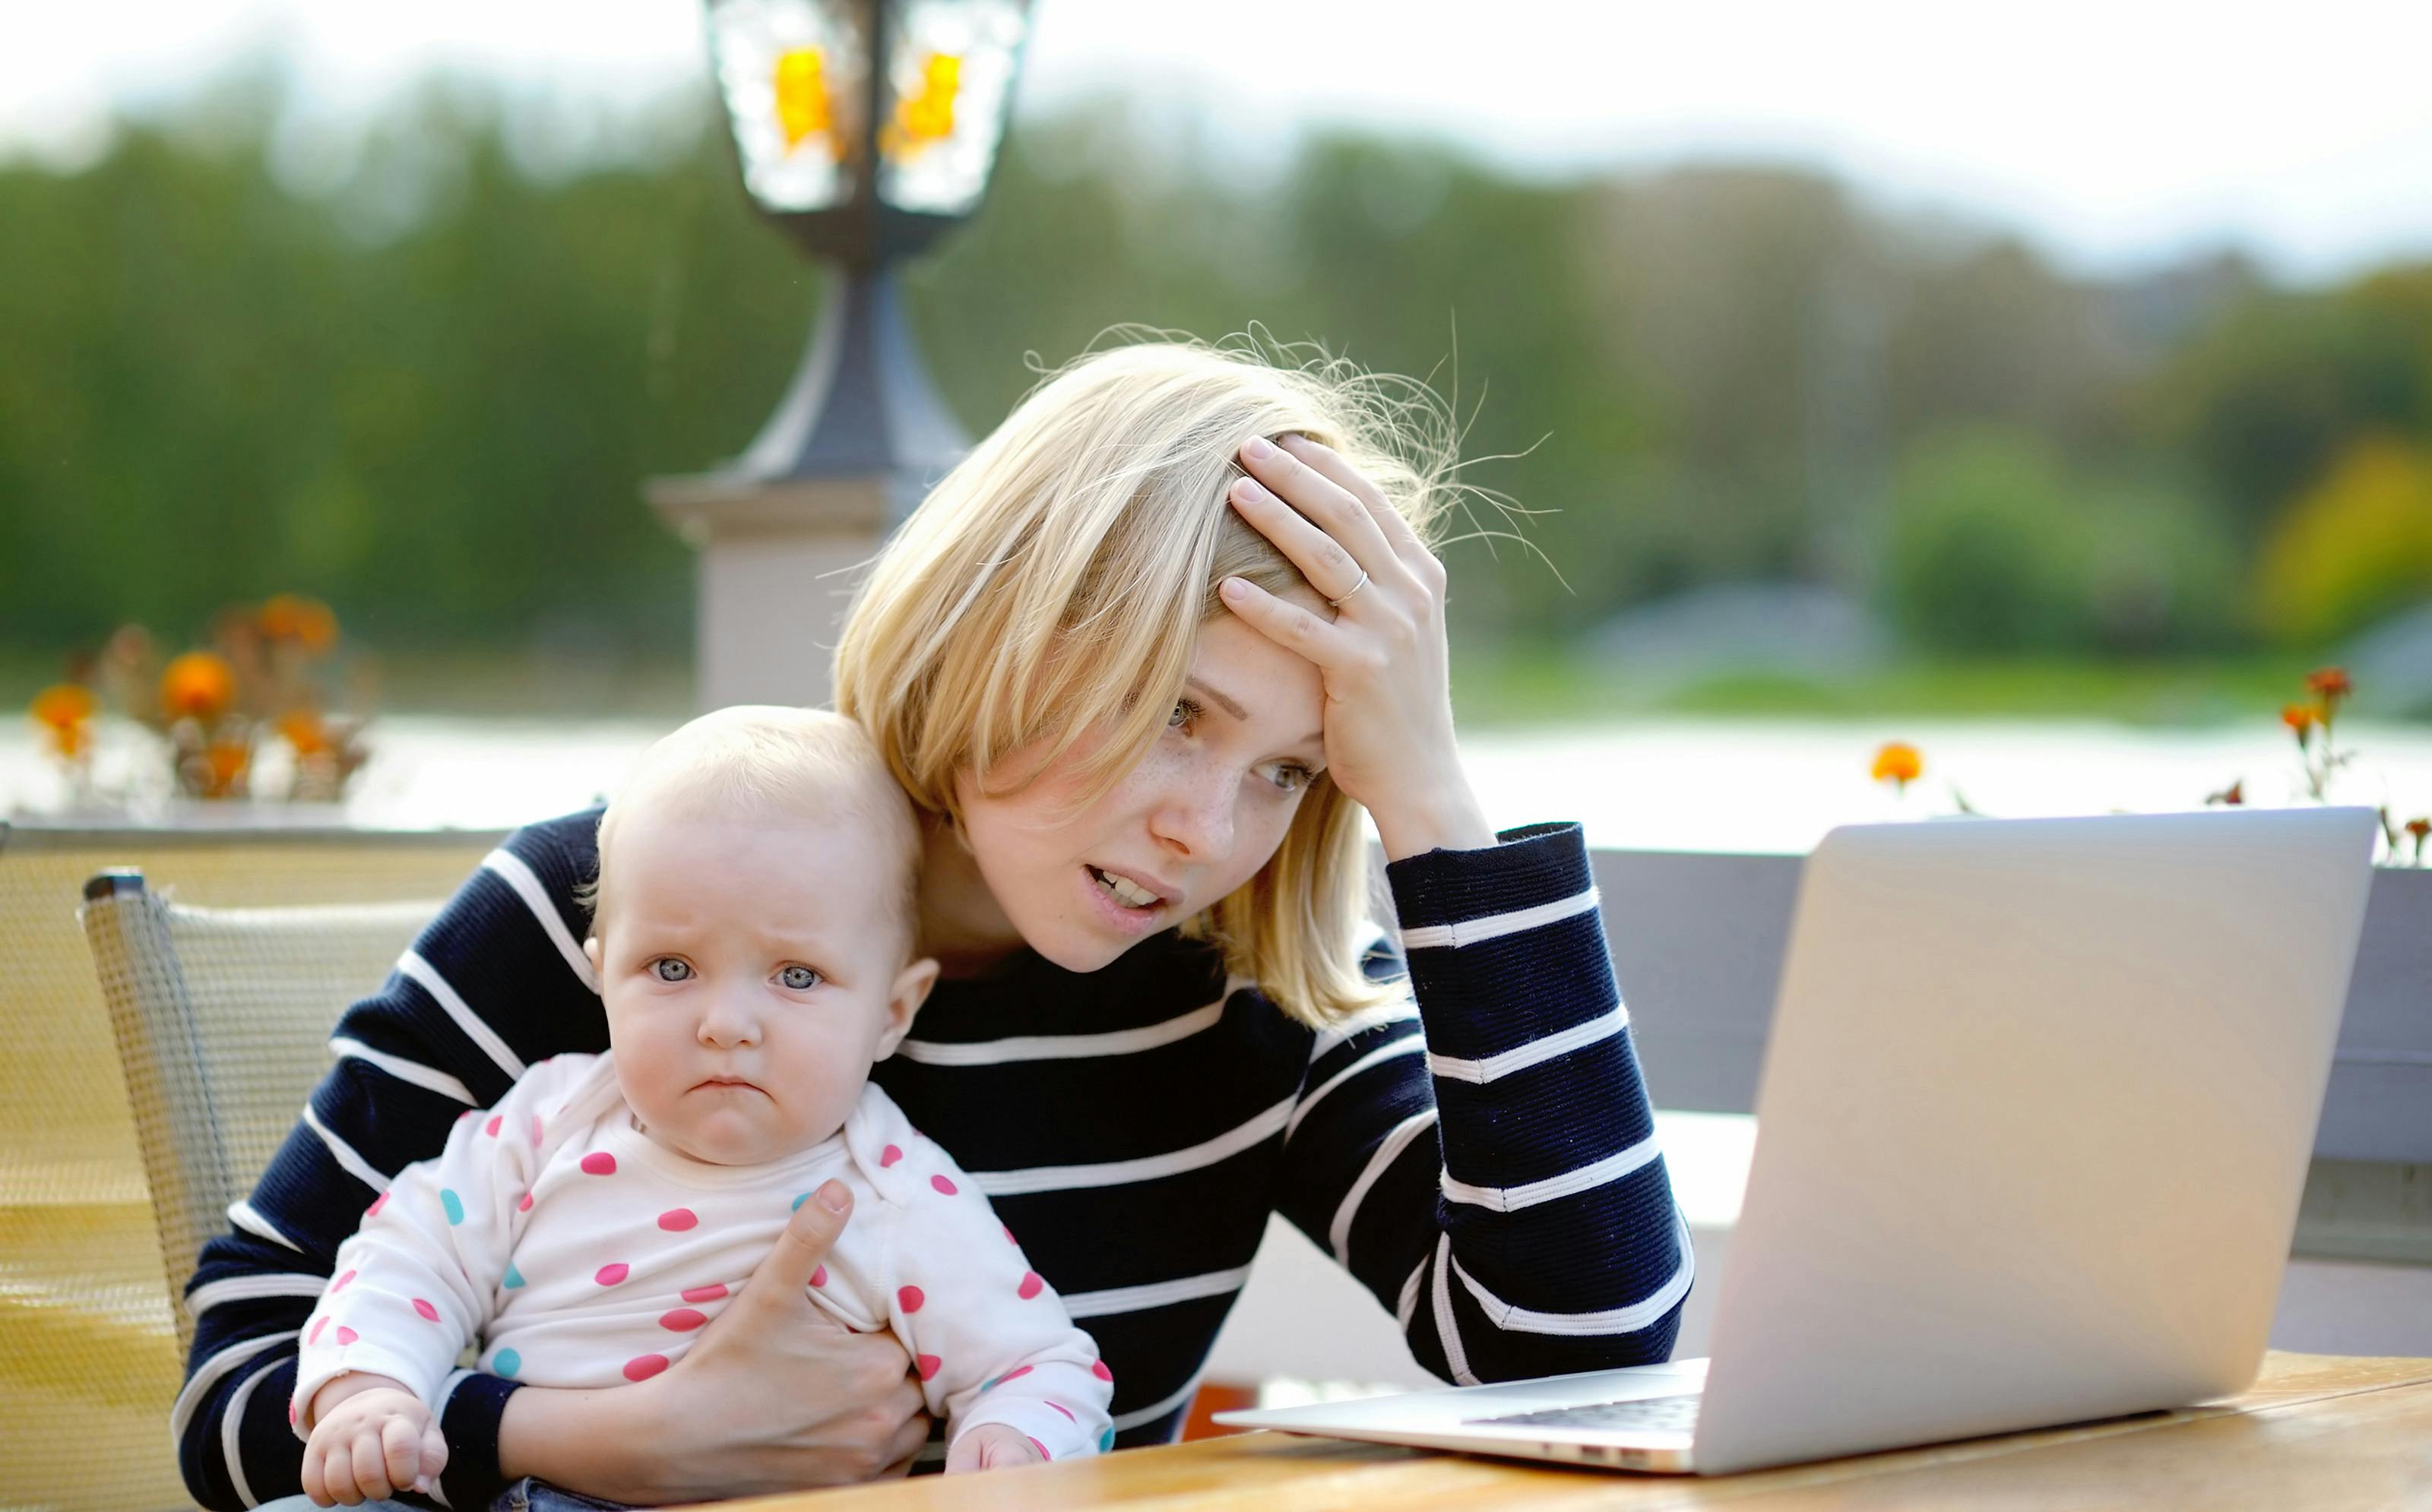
905, 999
591, 951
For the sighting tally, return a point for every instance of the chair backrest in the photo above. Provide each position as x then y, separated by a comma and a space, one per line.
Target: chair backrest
223, 1017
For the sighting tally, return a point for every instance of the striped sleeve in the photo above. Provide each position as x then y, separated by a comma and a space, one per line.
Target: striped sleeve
1483, 1157
495, 984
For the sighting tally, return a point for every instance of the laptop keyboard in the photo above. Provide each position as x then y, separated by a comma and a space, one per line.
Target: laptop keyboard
1670, 1414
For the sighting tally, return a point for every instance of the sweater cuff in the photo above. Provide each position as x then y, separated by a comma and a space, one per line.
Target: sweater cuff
472, 1479
1528, 867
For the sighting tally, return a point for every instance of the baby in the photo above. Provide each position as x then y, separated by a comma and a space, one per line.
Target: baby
753, 934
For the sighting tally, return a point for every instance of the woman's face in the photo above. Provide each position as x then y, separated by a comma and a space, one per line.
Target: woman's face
1196, 818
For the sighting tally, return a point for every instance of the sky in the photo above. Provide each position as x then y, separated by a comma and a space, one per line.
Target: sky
2114, 136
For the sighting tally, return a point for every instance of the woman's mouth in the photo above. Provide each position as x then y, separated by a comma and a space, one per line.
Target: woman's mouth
1125, 891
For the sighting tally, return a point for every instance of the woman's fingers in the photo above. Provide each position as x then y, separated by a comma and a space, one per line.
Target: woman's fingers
1285, 623
1325, 503
1328, 566
1403, 542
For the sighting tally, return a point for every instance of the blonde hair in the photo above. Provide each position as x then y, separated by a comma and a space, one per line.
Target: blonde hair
1056, 582
766, 761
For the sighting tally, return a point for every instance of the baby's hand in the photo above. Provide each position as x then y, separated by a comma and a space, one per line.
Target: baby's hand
992, 1446
371, 1440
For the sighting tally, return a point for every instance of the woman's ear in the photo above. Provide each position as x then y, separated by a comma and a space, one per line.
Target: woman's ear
910, 991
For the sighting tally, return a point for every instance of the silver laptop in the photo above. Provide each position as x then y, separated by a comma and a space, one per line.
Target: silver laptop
2037, 1109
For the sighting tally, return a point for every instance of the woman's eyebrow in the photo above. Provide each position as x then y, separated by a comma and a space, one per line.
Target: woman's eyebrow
1217, 697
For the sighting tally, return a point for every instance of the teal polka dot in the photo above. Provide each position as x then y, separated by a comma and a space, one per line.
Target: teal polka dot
455, 1205
989, 1385
507, 1362
1105, 1441
799, 1201
513, 1279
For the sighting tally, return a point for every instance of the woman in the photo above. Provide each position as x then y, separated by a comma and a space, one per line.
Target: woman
1141, 661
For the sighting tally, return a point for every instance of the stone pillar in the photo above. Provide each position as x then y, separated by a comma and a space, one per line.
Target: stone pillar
779, 562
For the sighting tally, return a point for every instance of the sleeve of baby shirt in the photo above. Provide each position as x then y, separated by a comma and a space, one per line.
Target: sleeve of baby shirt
990, 1337
416, 1283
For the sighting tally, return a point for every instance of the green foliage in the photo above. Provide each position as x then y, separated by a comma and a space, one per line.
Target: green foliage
1994, 545
424, 381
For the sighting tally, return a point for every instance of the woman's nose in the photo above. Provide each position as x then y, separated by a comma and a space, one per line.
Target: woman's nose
1194, 816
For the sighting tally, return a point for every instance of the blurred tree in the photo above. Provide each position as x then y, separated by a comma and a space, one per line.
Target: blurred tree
2355, 547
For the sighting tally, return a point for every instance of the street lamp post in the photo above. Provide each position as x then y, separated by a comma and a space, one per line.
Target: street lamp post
866, 129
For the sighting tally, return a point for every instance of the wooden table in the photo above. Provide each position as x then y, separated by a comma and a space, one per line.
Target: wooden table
2315, 1431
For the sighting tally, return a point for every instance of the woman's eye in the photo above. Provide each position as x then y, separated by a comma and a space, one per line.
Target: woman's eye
1184, 712
800, 978
1292, 778
670, 969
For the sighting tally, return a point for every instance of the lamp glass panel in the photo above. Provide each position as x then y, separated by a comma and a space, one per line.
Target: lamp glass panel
794, 74
950, 70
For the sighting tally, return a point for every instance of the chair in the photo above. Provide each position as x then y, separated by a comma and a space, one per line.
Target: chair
222, 1018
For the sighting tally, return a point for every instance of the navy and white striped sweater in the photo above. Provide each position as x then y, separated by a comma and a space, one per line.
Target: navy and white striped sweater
1494, 1181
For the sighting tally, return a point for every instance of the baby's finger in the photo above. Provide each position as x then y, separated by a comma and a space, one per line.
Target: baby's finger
371, 1471
401, 1451
313, 1485
434, 1456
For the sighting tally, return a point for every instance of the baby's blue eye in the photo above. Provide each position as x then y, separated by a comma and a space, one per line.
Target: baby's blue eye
670, 969
800, 978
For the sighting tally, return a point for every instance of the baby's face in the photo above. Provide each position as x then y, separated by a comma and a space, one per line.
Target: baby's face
753, 971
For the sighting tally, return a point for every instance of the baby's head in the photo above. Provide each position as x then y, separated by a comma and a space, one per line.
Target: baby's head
753, 930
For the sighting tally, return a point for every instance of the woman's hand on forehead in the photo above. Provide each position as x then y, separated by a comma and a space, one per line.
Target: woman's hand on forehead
1381, 647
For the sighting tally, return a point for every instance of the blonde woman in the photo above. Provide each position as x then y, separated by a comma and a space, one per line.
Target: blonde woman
1141, 661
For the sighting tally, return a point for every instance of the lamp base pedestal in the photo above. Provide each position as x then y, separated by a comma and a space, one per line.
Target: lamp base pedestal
779, 562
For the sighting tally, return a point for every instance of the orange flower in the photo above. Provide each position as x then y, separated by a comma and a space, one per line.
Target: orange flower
307, 621
303, 729
64, 706
199, 685
224, 764
1898, 763
2329, 682
2421, 830
2300, 718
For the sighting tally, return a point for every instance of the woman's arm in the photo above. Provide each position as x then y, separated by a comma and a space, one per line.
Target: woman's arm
1497, 1182
496, 982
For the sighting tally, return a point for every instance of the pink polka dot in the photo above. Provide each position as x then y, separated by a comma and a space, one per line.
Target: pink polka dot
610, 1274
909, 1297
599, 1163
643, 1367
683, 1321
430, 1314
819, 1277
1041, 1448
1098, 1369
677, 1219
525, 1205
377, 1202
943, 1184
1008, 1233
889, 1155
929, 1364
492, 1127
346, 1334
466, 1114
1065, 1410
704, 1293
339, 1284
291, 1412
535, 1131
315, 1337
1014, 1374
1031, 1285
